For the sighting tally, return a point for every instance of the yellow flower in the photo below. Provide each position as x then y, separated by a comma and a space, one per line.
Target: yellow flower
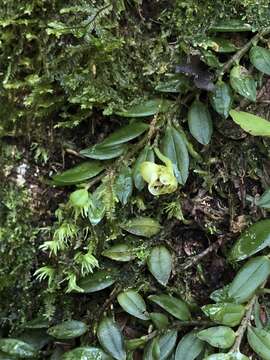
160, 178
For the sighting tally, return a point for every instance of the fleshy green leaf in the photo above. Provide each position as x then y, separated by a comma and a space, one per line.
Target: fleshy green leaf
221, 337
228, 356
166, 344
68, 330
160, 264
142, 226
152, 350
37, 338
147, 154
259, 341
147, 108
221, 295
217, 44
125, 134
160, 320
174, 306
100, 152
231, 26
111, 338
249, 278
260, 58
17, 348
264, 200
189, 347
222, 99
174, 147
133, 344
243, 83
123, 185
253, 240
253, 124
78, 174
174, 84
209, 58
200, 122
99, 280
86, 353
120, 252
113, 146
132, 302
96, 209
225, 313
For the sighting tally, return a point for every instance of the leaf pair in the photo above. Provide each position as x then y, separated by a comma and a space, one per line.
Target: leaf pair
132, 302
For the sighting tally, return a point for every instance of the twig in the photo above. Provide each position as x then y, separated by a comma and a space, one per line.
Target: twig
243, 326
75, 153
239, 54
195, 259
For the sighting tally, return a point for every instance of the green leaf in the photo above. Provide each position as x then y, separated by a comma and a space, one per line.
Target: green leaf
37, 338
86, 353
147, 108
174, 84
221, 295
142, 226
253, 240
38, 323
125, 134
209, 58
264, 200
97, 281
228, 356
174, 147
166, 344
69, 329
134, 344
243, 83
254, 125
260, 58
112, 146
160, 264
101, 152
132, 302
249, 278
111, 338
17, 348
189, 347
200, 122
123, 185
79, 173
160, 320
147, 154
230, 26
217, 44
174, 306
96, 209
120, 252
221, 337
222, 99
259, 341
4, 356
152, 350
225, 313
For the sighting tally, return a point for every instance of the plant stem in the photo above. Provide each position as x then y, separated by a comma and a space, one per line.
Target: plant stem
237, 56
243, 326
195, 259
